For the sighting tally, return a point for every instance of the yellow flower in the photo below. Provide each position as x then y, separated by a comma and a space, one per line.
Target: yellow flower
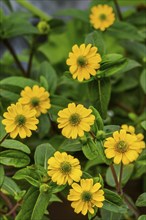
20, 120
130, 129
123, 147
86, 196
43, 27
63, 168
102, 17
83, 61
75, 120
140, 143
36, 98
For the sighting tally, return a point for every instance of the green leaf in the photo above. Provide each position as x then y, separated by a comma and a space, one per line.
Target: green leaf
137, 18
43, 82
14, 144
54, 198
2, 175
102, 89
136, 48
11, 96
9, 186
124, 30
90, 150
108, 215
95, 38
70, 146
17, 81
44, 125
49, 73
42, 154
57, 104
112, 64
143, 124
101, 154
141, 201
2, 129
143, 80
28, 204
14, 25
98, 119
29, 174
41, 205
127, 172
113, 202
142, 217
14, 158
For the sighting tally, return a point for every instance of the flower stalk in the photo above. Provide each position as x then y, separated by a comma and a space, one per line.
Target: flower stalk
118, 10
12, 51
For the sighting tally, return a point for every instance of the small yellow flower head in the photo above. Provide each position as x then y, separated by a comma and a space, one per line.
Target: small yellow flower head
102, 17
128, 128
123, 147
74, 120
83, 61
86, 196
43, 27
63, 168
36, 98
20, 120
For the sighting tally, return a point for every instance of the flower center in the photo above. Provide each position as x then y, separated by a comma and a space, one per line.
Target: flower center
81, 61
86, 196
35, 101
74, 119
20, 119
121, 147
65, 167
102, 17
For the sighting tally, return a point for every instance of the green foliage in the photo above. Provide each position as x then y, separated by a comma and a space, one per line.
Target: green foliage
42, 154
116, 96
14, 158
113, 202
127, 172
141, 201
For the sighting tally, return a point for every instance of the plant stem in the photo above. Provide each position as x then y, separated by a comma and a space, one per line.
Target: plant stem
10, 48
115, 177
131, 207
31, 57
92, 134
4, 138
120, 180
8, 202
13, 209
34, 10
118, 10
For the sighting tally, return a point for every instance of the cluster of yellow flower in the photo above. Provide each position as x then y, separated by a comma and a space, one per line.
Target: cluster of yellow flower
125, 146
21, 117
84, 60
63, 168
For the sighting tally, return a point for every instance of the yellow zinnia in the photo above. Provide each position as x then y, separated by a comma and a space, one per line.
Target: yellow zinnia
20, 120
102, 17
83, 61
74, 120
36, 98
123, 147
63, 168
86, 196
